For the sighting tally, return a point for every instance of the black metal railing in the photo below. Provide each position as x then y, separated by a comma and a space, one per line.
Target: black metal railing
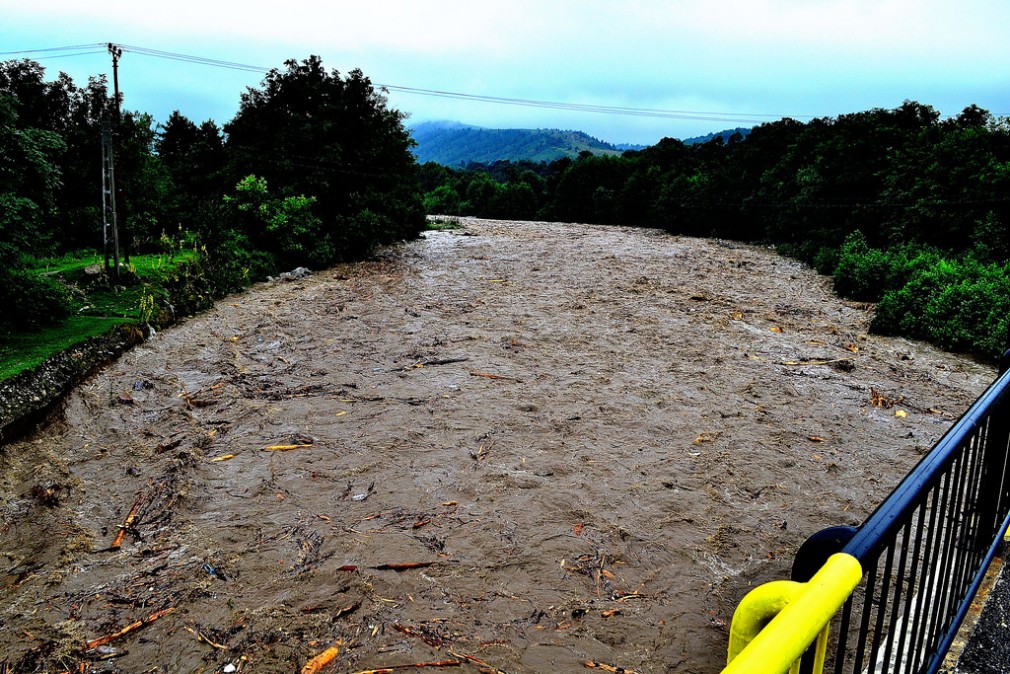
926, 548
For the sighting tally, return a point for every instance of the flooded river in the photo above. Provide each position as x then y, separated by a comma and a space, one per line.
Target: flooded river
518, 446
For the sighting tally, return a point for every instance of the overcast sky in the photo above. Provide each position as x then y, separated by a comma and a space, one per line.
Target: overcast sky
728, 62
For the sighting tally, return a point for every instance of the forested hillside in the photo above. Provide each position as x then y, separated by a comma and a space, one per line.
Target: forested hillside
458, 145
902, 207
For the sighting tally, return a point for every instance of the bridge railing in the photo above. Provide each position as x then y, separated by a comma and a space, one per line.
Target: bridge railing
923, 554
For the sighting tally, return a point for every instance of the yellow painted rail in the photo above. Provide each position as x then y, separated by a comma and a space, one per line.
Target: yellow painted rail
777, 622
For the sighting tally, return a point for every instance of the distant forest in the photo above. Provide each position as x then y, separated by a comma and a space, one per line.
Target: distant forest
459, 145
900, 206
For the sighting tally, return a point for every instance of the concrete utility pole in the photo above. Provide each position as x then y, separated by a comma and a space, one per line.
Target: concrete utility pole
109, 198
116, 52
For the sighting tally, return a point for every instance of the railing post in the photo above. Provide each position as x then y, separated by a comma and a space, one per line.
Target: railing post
1004, 363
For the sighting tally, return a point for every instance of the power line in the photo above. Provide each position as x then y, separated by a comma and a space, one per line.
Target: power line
712, 116
199, 60
693, 115
93, 45
555, 105
63, 56
585, 107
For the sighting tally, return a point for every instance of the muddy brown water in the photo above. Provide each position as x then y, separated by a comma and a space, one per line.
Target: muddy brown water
587, 444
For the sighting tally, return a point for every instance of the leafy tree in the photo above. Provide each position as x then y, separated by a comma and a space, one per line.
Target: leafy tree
313, 132
286, 226
442, 200
194, 156
29, 180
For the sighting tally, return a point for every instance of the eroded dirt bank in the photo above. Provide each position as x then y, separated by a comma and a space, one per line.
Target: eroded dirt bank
586, 443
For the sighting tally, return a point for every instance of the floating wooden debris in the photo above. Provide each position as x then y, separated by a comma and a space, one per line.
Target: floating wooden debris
405, 566
878, 399
593, 664
347, 610
477, 661
128, 522
389, 669
817, 362
488, 375
204, 639
109, 638
316, 664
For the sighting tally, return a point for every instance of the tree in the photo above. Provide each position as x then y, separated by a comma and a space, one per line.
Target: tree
284, 226
312, 132
29, 180
194, 156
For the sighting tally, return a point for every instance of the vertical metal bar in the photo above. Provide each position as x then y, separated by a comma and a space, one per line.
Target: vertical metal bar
843, 635
947, 522
882, 607
895, 611
988, 501
926, 584
935, 534
864, 624
964, 537
976, 510
913, 582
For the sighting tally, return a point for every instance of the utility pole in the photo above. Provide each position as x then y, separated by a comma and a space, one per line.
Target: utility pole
116, 52
109, 197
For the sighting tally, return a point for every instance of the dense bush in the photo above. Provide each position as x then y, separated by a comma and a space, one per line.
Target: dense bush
30, 300
961, 305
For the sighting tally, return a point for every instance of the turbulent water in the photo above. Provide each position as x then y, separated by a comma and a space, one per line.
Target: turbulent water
521, 446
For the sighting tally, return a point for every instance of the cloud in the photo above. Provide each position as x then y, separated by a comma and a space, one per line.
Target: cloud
795, 57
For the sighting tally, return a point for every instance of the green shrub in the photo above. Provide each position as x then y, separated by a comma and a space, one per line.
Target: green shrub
826, 260
960, 305
862, 272
29, 300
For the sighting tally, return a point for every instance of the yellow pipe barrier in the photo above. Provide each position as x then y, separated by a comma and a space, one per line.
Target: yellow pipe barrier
776, 622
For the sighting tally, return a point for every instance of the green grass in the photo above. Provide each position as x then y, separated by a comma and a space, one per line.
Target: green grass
20, 351
103, 307
149, 267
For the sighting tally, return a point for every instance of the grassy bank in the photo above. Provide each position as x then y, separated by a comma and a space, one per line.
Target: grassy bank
144, 291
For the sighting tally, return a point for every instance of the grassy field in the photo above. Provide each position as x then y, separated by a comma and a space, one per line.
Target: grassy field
103, 306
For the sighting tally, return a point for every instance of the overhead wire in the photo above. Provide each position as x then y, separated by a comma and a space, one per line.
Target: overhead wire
92, 45
63, 56
694, 115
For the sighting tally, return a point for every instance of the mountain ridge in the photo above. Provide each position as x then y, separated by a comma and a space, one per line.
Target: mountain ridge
458, 145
